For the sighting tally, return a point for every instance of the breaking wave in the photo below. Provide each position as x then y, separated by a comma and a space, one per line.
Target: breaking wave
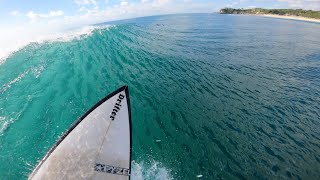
14, 45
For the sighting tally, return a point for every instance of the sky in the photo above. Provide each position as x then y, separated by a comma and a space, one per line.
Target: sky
25, 21
13, 12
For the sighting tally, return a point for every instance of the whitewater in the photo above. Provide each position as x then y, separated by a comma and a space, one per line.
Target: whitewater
14, 39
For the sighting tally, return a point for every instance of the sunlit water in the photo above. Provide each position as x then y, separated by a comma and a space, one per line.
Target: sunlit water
213, 96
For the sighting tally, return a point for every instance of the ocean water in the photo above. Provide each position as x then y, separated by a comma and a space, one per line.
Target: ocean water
213, 96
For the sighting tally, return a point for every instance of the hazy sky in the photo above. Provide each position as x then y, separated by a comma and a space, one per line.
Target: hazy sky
80, 12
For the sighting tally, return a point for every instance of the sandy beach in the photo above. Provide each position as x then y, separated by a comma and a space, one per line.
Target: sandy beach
289, 17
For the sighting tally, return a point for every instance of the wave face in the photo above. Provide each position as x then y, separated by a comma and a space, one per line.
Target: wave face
213, 96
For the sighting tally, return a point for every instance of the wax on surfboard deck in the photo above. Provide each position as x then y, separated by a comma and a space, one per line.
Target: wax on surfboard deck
97, 146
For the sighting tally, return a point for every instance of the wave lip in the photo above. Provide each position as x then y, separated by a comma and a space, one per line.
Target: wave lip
13, 42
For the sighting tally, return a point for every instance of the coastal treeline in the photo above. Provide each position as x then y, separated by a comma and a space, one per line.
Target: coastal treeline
284, 12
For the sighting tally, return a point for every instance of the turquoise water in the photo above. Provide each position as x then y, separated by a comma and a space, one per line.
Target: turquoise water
225, 97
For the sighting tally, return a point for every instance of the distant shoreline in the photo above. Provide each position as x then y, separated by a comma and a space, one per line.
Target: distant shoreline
294, 14
287, 17
299, 18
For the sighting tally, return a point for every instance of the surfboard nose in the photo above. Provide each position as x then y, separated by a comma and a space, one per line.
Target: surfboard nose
96, 146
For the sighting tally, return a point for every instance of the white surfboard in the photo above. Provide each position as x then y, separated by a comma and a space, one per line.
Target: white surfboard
97, 146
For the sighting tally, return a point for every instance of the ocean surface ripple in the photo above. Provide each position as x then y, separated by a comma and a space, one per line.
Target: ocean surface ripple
213, 96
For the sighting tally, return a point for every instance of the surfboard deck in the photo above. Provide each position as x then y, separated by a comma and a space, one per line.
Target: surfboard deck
97, 146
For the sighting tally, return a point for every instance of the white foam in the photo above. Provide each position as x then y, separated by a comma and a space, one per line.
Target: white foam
14, 39
72, 34
152, 170
38, 70
17, 79
4, 124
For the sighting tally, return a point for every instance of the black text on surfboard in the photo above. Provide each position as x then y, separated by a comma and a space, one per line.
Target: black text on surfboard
112, 169
116, 107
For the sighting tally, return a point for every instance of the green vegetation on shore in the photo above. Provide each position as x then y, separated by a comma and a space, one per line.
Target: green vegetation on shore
284, 12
